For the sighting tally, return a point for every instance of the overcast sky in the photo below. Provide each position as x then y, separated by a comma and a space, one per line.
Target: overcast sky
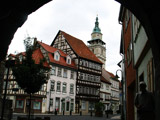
77, 18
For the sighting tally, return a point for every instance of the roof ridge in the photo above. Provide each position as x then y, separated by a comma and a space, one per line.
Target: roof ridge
72, 36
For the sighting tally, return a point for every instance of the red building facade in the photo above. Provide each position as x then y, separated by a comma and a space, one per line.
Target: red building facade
130, 72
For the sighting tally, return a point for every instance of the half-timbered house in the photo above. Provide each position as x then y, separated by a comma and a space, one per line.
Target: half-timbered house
20, 99
89, 69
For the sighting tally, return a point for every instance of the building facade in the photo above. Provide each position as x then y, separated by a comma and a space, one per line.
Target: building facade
61, 86
20, 99
89, 70
105, 91
138, 59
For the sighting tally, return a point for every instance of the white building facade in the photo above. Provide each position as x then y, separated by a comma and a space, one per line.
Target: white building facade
61, 89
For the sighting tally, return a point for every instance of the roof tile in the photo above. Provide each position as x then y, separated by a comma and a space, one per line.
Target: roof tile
80, 48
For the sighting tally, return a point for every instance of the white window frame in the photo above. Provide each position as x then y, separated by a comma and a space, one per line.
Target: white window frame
65, 73
64, 87
58, 86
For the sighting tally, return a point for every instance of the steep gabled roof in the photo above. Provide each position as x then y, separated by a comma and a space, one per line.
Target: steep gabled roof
37, 56
50, 50
105, 76
105, 80
79, 47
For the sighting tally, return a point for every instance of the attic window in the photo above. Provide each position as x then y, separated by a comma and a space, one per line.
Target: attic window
68, 60
56, 56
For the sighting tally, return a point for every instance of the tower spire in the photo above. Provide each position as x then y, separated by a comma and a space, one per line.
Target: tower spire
96, 29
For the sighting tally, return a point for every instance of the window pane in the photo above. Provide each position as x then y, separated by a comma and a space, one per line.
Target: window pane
72, 74
36, 105
59, 72
64, 87
19, 104
65, 73
83, 105
53, 71
71, 88
52, 86
58, 86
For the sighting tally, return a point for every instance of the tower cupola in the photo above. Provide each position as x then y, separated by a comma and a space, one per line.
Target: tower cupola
96, 33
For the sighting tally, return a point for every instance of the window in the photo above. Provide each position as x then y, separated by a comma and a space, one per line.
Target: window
129, 53
86, 63
57, 104
65, 73
36, 105
150, 75
57, 57
92, 77
19, 104
53, 70
59, 72
52, 86
51, 101
72, 74
72, 104
71, 88
83, 105
107, 87
68, 60
67, 106
64, 88
127, 17
137, 26
101, 85
82, 76
20, 58
90, 64
58, 86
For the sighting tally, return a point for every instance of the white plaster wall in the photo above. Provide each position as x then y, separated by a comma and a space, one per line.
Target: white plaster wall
139, 44
61, 95
143, 66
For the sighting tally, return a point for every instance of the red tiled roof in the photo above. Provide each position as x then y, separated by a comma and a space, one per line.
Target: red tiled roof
51, 49
11, 55
105, 80
111, 74
37, 56
80, 48
62, 60
21, 53
105, 76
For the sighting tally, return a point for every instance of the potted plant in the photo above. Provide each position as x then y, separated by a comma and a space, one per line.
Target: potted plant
99, 107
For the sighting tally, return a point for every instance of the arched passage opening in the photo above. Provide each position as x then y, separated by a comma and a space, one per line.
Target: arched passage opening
145, 11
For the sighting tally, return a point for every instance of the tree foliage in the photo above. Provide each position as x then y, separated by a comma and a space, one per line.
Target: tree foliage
30, 76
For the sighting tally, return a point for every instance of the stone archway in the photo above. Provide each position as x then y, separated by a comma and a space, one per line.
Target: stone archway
15, 14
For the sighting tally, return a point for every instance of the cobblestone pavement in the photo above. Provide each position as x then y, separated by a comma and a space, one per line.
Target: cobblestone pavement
76, 117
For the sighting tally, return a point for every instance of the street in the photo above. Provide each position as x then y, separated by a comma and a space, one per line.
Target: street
73, 117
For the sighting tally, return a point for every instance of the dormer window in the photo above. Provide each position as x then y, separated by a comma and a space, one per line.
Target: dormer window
68, 60
20, 58
57, 56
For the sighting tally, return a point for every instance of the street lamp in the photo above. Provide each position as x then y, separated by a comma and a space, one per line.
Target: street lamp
122, 109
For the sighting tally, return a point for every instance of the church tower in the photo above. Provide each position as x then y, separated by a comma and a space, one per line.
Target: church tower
96, 44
